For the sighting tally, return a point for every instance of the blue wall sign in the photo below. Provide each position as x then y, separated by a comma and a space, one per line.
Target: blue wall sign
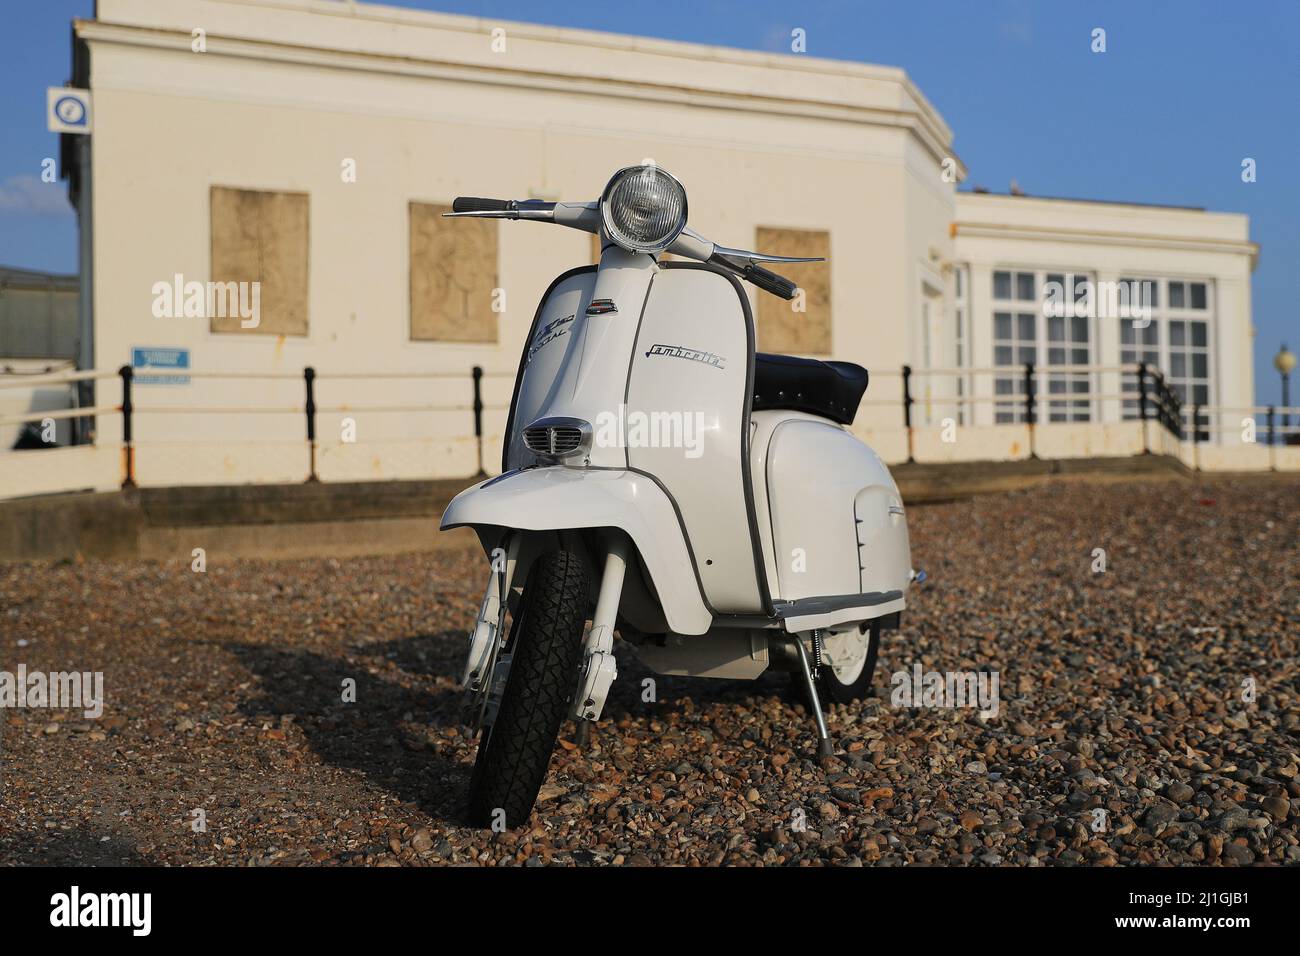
174, 361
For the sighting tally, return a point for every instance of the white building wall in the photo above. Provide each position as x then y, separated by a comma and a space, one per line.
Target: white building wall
287, 90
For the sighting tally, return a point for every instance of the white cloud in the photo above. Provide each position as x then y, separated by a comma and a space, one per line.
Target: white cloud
28, 195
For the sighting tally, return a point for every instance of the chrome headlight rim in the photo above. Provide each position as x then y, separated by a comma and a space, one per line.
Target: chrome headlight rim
620, 238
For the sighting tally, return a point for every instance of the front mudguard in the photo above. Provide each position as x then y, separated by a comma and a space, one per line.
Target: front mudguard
563, 499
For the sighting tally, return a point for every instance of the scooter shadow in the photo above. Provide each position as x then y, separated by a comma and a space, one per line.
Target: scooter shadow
373, 735
381, 734
79, 846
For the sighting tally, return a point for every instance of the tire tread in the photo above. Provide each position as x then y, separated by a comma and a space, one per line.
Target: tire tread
542, 679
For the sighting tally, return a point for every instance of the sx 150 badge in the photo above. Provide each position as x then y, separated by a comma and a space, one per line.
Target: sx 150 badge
548, 333
695, 355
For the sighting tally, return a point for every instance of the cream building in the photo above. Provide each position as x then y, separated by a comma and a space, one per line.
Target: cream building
1195, 265
310, 145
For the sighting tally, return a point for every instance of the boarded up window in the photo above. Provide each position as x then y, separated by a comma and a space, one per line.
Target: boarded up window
260, 237
453, 275
780, 327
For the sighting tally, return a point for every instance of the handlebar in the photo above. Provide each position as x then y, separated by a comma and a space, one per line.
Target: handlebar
475, 204
752, 272
586, 217
769, 281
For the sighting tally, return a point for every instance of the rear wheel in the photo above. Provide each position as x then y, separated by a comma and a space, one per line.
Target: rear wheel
545, 645
848, 664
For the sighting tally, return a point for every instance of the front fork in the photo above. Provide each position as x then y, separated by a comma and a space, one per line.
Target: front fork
598, 666
487, 667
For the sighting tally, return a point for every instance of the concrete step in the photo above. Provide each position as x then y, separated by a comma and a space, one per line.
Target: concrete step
388, 517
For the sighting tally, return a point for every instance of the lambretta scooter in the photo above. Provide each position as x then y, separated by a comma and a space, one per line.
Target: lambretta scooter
663, 481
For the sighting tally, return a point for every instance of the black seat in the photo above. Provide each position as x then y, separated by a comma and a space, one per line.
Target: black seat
829, 389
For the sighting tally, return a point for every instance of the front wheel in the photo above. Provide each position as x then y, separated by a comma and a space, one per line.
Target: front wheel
545, 650
848, 663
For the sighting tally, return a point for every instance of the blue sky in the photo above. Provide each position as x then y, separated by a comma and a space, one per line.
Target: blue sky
1183, 93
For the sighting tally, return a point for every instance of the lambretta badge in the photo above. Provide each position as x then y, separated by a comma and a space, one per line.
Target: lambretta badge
601, 307
548, 333
695, 355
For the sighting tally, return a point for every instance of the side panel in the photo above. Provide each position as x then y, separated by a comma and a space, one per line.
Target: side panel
686, 415
761, 426
820, 482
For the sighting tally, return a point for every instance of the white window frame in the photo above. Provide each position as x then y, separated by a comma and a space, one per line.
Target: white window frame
1057, 409
961, 336
1162, 317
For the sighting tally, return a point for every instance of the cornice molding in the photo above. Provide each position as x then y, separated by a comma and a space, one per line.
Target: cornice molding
923, 126
989, 230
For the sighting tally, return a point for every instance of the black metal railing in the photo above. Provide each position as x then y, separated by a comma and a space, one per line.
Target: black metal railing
309, 408
1036, 404
1157, 400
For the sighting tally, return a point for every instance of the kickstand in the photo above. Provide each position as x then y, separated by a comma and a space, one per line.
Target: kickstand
823, 735
582, 733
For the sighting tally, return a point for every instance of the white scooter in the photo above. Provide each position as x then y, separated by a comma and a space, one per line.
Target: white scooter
663, 481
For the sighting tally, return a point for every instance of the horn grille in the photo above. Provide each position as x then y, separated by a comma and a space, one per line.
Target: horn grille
558, 439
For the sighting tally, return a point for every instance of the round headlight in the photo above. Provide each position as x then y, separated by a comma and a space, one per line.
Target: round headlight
644, 208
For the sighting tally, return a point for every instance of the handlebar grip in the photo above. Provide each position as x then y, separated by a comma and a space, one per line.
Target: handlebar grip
769, 281
475, 204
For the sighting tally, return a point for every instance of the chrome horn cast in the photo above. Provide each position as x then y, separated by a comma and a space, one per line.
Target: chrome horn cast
559, 438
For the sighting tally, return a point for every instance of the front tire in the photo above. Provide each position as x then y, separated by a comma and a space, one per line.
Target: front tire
546, 646
852, 680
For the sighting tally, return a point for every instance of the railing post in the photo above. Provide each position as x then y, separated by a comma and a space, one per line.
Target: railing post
1196, 437
1030, 406
82, 395
1272, 440
478, 416
1161, 399
309, 379
907, 410
1175, 412
1142, 405
128, 449
1178, 414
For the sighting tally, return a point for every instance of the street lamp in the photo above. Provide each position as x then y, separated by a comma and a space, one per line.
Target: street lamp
1284, 361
